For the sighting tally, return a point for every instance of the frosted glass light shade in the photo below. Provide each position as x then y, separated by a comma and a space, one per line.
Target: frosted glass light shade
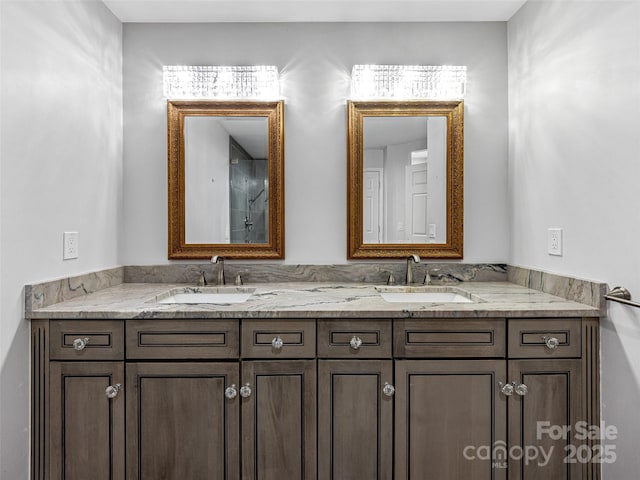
221, 82
406, 82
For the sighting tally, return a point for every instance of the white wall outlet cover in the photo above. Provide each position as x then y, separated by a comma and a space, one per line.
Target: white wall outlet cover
554, 241
70, 245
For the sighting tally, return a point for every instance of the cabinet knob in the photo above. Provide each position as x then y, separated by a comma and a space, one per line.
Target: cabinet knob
388, 390
509, 389
80, 343
506, 388
521, 389
551, 342
231, 392
245, 391
112, 390
355, 342
277, 343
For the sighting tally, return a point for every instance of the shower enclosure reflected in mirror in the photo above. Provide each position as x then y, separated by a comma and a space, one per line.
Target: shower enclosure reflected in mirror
225, 179
405, 179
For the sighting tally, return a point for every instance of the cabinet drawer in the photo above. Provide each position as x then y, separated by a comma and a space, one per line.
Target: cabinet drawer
534, 338
370, 338
278, 338
94, 340
187, 339
450, 338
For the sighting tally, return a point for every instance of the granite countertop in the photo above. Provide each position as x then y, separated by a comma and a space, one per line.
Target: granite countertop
313, 300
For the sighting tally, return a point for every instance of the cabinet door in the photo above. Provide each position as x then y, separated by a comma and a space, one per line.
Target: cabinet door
449, 418
87, 427
355, 420
180, 425
552, 402
279, 420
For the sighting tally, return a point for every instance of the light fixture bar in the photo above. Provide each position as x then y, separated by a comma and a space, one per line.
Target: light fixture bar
221, 82
406, 82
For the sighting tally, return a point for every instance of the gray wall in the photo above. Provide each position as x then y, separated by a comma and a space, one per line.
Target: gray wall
315, 61
574, 104
61, 169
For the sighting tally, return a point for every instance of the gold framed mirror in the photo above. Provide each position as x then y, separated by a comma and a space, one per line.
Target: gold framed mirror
226, 179
405, 179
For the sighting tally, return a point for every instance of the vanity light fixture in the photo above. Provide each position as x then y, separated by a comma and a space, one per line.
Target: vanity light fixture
257, 82
408, 82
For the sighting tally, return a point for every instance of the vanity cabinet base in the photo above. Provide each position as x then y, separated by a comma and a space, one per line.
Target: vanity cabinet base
180, 425
87, 428
355, 419
448, 415
356, 403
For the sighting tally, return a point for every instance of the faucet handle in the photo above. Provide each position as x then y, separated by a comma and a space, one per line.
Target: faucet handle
391, 280
238, 280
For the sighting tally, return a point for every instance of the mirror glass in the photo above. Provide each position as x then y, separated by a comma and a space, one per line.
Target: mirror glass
226, 165
405, 179
404, 194
225, 179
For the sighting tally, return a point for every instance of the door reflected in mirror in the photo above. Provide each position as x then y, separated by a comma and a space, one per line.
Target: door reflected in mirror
405, 179
226, 179
404, 193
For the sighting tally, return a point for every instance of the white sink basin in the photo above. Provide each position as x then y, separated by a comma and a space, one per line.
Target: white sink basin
213, 295
424, 295
427, 297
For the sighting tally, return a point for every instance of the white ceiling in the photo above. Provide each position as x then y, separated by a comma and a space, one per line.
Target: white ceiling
313, 10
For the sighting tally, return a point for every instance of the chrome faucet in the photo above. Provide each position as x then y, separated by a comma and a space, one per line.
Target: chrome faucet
220, 260
411, 259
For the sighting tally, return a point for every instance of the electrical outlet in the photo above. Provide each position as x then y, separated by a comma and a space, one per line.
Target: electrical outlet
70, 242
554, 241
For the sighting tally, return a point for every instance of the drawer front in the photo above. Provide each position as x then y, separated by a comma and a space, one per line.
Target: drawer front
86, 340
182, 339
278, 338
450, 338
354, 338
543, 338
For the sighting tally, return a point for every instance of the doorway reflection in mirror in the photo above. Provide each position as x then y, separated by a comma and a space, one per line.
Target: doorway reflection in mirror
405, 179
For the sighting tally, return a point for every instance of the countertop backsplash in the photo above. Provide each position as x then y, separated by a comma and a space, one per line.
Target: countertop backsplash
374, 273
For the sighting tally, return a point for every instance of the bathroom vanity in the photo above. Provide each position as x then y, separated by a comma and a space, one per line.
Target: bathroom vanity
312, 380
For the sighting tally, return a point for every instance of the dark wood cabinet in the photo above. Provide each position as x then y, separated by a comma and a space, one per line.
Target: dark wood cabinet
180, 424
543, 422
355, 419
447, 415
450, 338
279, 420
278, 339
87, 436
300, 399
182, 340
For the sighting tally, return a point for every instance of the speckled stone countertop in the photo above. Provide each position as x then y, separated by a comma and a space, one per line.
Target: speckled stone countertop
314, 300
